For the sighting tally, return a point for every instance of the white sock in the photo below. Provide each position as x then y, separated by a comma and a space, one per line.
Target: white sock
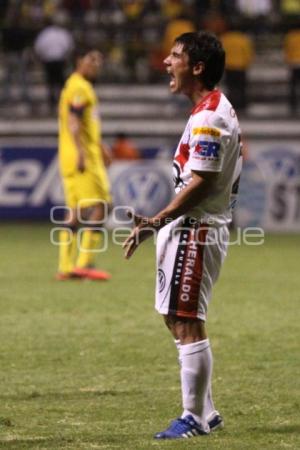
196, 369
209, 407
178, 345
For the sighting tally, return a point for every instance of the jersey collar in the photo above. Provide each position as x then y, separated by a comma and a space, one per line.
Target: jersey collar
210, 102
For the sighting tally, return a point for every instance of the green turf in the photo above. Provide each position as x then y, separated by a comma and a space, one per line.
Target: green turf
89, 365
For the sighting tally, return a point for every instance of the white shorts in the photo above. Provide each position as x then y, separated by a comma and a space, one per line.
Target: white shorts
189, 259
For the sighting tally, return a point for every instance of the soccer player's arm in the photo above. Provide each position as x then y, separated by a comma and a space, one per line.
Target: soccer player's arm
105, 152
77, 107
205, 161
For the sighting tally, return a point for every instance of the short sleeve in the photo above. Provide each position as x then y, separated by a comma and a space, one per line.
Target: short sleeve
208, 139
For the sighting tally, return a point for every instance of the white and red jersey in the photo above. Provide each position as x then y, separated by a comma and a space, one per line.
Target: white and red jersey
211, 142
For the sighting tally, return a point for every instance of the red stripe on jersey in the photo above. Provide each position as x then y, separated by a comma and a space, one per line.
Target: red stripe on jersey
191, 275
183, 155
209, 102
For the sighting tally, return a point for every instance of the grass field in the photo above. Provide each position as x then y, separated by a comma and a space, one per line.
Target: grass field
87, 365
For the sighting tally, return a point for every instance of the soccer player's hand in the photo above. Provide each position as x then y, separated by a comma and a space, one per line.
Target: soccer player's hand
142, 230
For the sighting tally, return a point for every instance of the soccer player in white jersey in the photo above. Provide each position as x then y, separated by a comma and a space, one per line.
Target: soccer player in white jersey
193, 228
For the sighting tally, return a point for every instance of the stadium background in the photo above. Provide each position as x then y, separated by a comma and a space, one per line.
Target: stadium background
53, 386
134, 99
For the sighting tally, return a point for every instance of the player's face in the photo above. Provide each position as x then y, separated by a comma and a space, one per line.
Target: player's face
91, 64
181, 74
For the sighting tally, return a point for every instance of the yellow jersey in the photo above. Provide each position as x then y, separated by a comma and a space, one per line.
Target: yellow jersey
78, 96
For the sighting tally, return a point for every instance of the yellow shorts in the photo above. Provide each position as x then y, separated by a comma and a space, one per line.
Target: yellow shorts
85, 189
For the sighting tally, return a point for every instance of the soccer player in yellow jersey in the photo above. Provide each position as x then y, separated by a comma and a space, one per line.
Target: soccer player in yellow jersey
81, 163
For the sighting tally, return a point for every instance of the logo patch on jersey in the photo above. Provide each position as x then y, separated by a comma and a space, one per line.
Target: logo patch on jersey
78, 100
209, 131
208, 150
161, 280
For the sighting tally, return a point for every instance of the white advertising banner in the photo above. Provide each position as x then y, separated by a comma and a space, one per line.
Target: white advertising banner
269, 194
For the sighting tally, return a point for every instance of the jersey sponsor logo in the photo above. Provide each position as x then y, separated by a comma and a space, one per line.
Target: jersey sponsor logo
207, 130
207, 150
188, 270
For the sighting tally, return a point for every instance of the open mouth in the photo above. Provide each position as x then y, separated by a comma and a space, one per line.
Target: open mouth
172, 80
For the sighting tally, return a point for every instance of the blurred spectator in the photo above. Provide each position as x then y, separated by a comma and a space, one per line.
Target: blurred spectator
15, 40
135, 35
258, 13
53, 46
124, 148
290, 7
239, 56
77, 8
292, 58
35, 12
255, 8
3, 9
214, 22
228, 7
201, 9
172, 9
111, 13
134, 53
151, 8
132, 9
224, 8
130, 39
175, 27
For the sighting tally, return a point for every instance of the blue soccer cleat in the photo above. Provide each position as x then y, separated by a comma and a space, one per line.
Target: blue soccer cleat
216, 422
185, 427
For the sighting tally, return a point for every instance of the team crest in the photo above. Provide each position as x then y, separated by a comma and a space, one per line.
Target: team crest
161, 280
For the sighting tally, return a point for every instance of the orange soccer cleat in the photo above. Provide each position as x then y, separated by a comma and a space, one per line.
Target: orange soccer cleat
60, 276
91, 274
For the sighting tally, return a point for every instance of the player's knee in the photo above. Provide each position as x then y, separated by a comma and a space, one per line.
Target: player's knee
169, 321
98, 212
70, 221
186, 329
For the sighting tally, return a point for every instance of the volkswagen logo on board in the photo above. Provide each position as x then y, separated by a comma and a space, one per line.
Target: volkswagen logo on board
145, 188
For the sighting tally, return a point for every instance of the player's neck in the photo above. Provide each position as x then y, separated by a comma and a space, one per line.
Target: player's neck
78, 72
81, 73
198, 95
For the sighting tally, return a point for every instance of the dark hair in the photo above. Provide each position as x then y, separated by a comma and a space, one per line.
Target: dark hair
204, 47
81, 50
